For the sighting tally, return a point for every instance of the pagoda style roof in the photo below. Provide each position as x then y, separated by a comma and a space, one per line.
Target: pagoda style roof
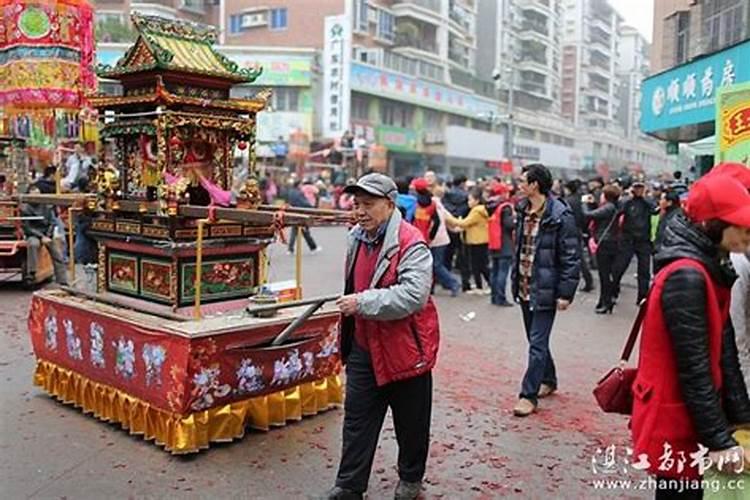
161, 95
182, 46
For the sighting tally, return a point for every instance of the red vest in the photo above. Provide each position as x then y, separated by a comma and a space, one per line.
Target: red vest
495, 227
407, 347
423, 219
363, 271
659, 412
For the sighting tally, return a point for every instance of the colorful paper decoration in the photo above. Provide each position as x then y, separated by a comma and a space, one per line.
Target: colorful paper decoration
46, 53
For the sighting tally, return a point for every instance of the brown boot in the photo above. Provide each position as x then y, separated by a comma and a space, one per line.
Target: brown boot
524, 408
546, 390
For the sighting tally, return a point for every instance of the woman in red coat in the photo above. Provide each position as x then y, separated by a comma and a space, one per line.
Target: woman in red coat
689, 392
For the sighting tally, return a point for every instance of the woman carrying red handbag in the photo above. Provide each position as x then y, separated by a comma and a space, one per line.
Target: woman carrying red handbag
605, 236
689, 392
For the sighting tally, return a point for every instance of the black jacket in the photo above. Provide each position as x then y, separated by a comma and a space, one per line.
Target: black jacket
456, 201
576, 206
296, 198
636, 225
683, 302
557, 258
605, 219
663, 220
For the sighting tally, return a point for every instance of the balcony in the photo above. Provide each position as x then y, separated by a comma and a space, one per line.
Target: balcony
428, 11
420, 36
541, 6
540, 28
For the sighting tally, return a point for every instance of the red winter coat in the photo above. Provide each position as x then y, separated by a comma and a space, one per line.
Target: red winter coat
659, 412
407, 345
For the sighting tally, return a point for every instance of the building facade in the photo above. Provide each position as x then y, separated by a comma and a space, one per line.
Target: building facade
633, 68
684, 30
419, 77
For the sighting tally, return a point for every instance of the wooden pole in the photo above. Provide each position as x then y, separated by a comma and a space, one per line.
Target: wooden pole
298, 262
199, 269
71, 244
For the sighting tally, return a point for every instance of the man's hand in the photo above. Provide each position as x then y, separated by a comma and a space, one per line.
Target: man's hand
347, 305
46, 240
562, 304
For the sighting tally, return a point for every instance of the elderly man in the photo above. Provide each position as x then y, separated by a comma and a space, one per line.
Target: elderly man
389, 341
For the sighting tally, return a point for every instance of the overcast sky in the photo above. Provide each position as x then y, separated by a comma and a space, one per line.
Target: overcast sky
637, 13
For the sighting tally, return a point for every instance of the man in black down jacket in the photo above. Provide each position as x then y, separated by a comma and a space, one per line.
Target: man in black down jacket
636, 239
546, 269
573, 199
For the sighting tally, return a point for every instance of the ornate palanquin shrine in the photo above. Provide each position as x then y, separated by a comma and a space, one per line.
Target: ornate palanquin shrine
166, 346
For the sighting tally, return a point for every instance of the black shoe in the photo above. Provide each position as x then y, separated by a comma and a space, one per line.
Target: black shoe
503, 304
407, 490
338, 493
587, 289
604, 309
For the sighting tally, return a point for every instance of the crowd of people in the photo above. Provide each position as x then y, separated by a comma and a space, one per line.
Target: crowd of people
544, 236
689, 395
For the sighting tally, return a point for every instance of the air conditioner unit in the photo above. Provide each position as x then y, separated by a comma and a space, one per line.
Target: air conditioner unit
254, 20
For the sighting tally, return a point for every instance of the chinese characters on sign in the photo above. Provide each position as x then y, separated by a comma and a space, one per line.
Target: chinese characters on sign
337, 72
609, 461
733, 124
687, 94
684, 96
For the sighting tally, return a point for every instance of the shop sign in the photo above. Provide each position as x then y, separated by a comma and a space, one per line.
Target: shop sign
396, 138
733, 125
378, 82
336, 68
686, 95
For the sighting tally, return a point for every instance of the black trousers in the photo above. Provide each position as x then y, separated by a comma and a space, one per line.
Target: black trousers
606, 256
588, 279
479, 256
642, 250
305, 234
365, 407
458, 250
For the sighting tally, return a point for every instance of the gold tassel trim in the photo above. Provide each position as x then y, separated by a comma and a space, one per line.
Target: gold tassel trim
187, 433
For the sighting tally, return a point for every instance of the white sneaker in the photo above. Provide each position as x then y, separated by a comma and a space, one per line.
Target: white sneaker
318, 249
485, 291
473, 291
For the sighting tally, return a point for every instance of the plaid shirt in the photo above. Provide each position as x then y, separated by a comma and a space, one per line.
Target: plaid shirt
528, 250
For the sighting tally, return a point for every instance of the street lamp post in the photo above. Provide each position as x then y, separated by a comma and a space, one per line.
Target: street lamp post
497, 76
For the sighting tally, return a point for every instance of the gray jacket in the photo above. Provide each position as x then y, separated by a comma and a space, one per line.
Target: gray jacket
740, 310
411, 292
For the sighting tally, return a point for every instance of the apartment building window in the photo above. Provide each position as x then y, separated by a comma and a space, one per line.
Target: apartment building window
235, 23
361, 13
278, 20
386, 23
683, 32
433, 120
567, 141
396, 114
526, 133
722, 23
481, 125
286, 99
457, 120
360, 108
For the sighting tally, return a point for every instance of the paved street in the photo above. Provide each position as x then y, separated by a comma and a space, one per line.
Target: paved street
479, 450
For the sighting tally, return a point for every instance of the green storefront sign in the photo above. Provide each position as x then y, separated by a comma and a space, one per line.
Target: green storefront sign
733, 125
397, 138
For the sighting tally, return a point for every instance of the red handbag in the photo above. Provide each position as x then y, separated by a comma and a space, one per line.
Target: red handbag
614, 392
